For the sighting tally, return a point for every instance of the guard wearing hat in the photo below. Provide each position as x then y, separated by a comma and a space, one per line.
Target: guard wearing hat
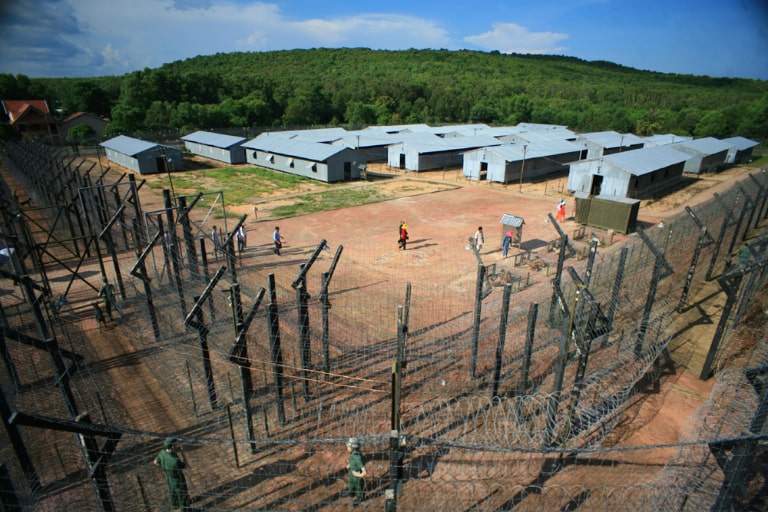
357, 471
173, 464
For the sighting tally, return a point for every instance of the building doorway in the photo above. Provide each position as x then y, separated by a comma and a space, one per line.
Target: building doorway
597, 184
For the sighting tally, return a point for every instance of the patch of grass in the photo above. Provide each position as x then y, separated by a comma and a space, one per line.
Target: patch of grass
758, 161
240, 185
331, 200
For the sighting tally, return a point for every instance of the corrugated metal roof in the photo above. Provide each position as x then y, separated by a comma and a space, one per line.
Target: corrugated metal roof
128, 145
740, 143
464, 129
512, 220
215, 140
647, 160
439, 145
369, 139
707, 145
516, 152
313, 151
612, 139
662, 139
551, 139
397, 128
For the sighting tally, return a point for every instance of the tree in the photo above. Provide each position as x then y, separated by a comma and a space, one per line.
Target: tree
158, 116
755, 120
360, 114
712, 124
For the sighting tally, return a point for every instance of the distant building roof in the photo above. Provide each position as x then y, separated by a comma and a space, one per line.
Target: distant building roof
516, 152
128, 145
612, 139
463, 129
367, 139
399, 128
313, 151
706, 145
647, 160
215, 140
740, 143
550, 131
434, 144
664, 138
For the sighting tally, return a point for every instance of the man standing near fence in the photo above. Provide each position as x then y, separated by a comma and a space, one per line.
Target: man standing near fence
357, 472
172, 461
107, 293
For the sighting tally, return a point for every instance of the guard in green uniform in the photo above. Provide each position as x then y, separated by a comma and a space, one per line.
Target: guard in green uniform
172, 464
107, 292
357, 471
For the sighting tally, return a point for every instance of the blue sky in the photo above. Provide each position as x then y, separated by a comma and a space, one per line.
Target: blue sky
52, 38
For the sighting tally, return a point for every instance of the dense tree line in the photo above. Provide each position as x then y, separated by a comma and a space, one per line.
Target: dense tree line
357, 87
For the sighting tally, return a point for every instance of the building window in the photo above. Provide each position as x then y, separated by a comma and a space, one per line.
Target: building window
290, 163
271, 159
312, 167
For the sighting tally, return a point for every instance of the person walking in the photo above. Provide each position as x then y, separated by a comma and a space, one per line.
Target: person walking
479, 238
173, 462
107, 293
278, 238
357, 472
561, 211
505, 243
241, 237
403, 239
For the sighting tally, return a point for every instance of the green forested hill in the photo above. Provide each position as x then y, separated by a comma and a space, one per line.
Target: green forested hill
358, 87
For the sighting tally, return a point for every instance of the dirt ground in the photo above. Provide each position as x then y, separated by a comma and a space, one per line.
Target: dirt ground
443, 210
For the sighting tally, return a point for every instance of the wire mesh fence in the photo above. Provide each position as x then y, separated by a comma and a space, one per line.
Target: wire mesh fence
506, 397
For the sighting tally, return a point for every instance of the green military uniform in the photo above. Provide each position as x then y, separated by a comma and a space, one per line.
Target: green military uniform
172, 466
356, 465
107, 291
744, 255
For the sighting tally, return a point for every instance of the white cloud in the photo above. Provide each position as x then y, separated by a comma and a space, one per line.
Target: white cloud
369, 30
113, 57
513, 38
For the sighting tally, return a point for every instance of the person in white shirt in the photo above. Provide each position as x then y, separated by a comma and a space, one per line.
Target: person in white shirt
479, 238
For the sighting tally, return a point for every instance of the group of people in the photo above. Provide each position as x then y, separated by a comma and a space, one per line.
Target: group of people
241, 238
172, 461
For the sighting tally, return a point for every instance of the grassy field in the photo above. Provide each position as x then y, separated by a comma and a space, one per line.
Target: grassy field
252, 185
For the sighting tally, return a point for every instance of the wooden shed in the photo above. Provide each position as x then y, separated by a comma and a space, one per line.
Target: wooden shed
224, 148
142, 156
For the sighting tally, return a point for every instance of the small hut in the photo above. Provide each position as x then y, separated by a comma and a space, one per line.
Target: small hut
514, 224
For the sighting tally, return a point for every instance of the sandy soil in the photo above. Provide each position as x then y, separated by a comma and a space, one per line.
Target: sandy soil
463, 204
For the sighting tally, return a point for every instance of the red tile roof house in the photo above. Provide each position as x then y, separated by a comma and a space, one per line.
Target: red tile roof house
31, 117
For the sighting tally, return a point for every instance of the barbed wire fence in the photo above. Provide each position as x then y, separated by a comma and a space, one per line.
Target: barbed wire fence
507, 397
